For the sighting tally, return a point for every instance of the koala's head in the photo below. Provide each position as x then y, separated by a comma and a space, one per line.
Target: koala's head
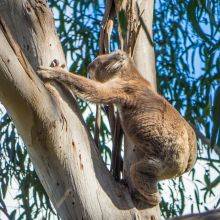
105, 67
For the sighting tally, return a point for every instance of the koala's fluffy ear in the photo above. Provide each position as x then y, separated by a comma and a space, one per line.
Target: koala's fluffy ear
114, 66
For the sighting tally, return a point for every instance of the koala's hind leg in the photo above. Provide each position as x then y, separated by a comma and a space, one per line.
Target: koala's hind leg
144, 178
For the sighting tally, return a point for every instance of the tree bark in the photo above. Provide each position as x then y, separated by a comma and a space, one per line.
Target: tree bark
47, 118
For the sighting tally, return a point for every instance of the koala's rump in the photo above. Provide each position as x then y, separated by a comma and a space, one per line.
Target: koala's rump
160, 132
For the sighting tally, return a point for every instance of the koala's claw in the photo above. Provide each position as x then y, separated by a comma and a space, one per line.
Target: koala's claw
44, 73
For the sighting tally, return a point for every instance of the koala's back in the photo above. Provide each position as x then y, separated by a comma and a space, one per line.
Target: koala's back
160, 132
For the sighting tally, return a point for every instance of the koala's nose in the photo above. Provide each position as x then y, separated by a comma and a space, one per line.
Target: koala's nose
90, 70
91, 66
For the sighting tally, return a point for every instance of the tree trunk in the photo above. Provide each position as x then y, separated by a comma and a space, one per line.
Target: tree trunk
47, 118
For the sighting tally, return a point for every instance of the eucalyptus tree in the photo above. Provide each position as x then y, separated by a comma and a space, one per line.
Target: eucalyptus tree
187, 53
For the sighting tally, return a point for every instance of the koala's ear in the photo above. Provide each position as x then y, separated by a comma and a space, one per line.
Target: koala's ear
114, 66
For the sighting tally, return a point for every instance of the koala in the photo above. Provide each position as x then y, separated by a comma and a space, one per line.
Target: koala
152, 124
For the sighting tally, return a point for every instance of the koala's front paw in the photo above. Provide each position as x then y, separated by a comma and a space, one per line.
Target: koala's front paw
152, 199
46, 73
